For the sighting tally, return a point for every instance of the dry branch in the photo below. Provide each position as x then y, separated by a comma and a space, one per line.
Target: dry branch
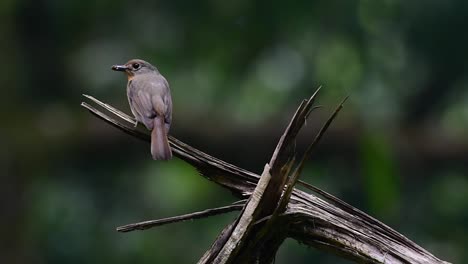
197, 215
325, 223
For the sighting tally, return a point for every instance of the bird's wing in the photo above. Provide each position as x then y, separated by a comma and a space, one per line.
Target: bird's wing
161, 99
152, 98
168, 102
141, 102
144, 103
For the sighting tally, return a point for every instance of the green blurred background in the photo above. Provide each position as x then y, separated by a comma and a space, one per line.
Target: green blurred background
237, 69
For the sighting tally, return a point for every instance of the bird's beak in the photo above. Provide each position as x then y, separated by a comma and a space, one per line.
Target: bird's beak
119, 68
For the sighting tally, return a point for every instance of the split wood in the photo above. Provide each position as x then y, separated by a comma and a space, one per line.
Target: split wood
272, 209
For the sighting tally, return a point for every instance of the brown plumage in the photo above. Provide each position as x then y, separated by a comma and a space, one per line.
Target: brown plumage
150, 100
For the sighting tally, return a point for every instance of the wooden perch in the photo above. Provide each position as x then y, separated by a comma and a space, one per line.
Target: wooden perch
275, 210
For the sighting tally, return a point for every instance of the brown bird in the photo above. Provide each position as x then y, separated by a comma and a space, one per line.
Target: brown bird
150, 100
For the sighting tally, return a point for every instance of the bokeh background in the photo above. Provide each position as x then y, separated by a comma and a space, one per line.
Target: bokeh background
238, 69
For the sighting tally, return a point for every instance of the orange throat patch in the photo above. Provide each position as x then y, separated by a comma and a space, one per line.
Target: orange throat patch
130, 76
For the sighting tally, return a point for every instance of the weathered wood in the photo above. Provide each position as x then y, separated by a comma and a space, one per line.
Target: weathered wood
196, 215
259, 243
325, 223
230, 251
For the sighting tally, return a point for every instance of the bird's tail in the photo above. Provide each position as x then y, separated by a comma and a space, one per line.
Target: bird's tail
160, 149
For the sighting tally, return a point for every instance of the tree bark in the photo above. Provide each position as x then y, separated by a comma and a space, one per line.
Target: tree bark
275, 210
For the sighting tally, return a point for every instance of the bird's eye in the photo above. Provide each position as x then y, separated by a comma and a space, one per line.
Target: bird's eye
136, 66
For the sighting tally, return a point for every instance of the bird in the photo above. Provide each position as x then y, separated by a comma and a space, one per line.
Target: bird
149, 97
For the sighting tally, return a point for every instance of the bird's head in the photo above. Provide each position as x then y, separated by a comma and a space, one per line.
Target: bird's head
135, 67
